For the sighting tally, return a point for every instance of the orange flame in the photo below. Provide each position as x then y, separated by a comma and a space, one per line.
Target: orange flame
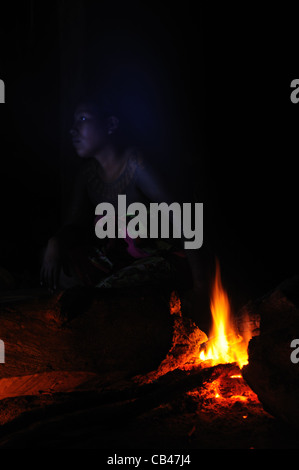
225, 345
191, 346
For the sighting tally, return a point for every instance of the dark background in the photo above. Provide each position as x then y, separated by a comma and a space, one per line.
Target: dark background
205, 89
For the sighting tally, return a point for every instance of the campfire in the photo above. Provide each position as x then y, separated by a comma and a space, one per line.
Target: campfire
224, 347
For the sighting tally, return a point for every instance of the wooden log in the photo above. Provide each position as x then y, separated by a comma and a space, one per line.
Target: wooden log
92, 414
270, 373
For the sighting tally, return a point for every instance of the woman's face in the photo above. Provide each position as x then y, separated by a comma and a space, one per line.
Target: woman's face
89, 133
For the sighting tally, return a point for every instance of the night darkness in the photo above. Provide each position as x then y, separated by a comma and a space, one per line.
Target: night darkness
206, 92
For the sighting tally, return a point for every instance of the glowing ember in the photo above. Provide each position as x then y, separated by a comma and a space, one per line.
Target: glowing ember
227, 392
224, 345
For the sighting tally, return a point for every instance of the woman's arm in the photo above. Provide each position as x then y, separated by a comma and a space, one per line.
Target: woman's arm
76, 227
77, 223
155, 190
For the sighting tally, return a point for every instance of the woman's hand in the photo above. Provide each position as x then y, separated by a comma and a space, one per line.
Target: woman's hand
51, 265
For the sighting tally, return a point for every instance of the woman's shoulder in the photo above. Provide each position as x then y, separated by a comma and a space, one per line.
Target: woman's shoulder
135, 164
135, 158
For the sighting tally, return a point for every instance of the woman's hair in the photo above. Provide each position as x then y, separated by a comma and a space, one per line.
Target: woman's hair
106, 107
102, 103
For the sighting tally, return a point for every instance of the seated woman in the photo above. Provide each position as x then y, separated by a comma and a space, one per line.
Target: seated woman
75, 256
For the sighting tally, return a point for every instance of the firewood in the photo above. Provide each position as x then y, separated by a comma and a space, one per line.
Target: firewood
270, 373
87, 413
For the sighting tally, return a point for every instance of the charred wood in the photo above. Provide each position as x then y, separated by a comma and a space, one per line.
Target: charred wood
88, 414
270, 373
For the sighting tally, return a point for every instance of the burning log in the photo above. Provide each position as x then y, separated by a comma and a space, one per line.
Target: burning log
271, 373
